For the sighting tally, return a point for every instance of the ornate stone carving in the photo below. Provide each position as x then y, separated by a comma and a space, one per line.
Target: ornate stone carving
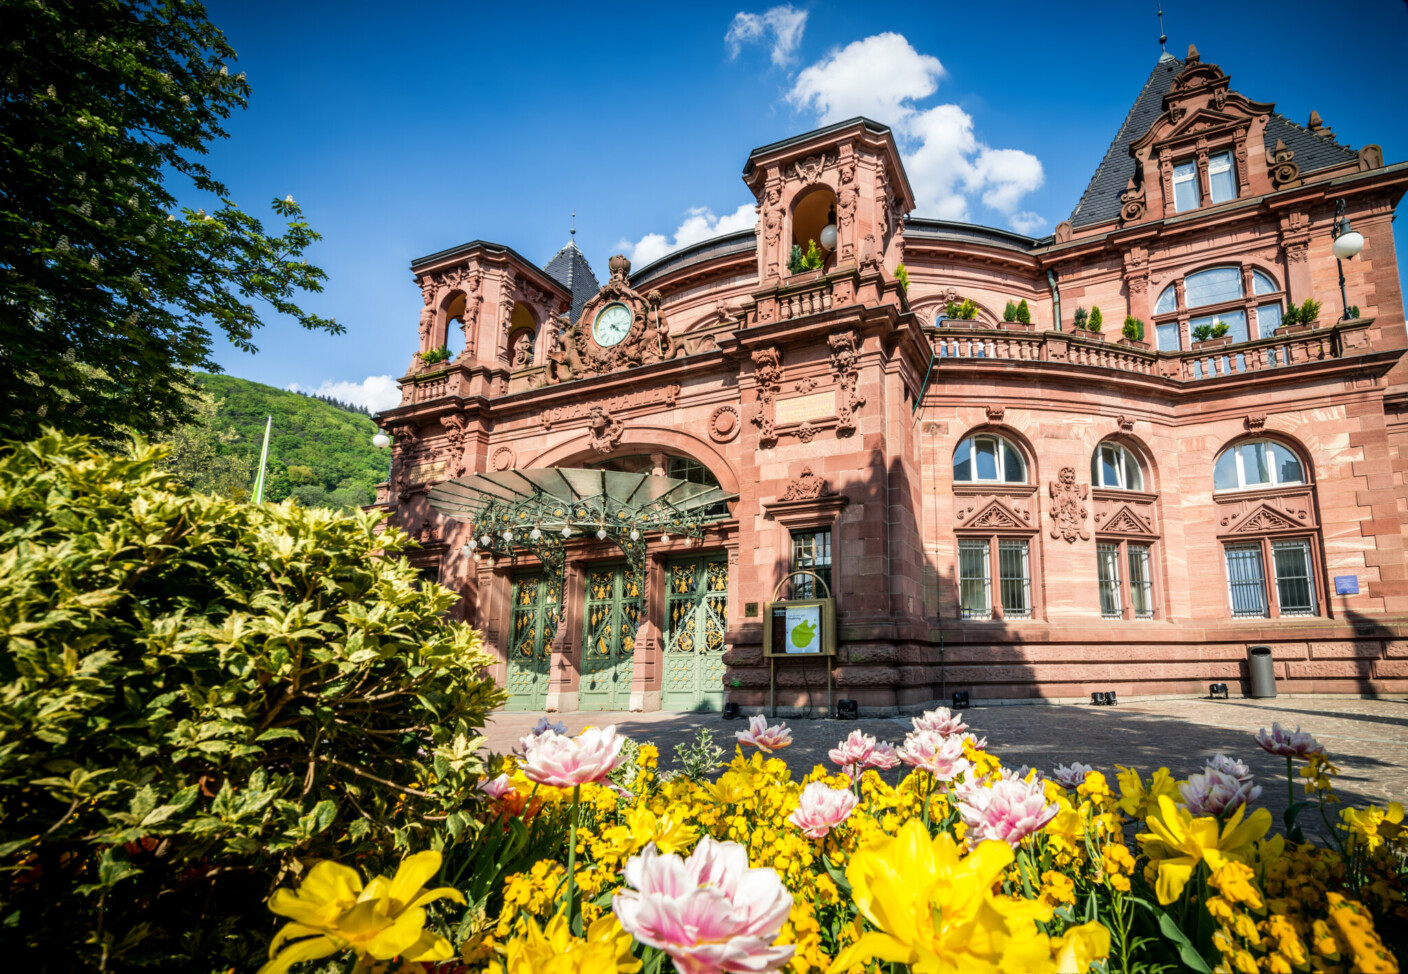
868, 260
455, 434
1256, 422
1063, 232
845, 362
523, 350
805, 487
606, 431
995, 413
772, 221
503, 458
723, 424
1132, 199
994, 514
1126, 423
427, 313
666, 396
767, 373
1284, 171
846, 200
806, 431
809, 170
1068, 507
1123, 521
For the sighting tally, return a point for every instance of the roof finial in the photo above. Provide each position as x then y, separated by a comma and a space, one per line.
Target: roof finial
1163, 38
574, 223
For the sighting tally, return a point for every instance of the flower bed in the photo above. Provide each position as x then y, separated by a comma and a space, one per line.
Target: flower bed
582, 856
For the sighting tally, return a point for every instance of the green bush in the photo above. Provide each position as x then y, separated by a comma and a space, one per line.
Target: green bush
434, 355
794, 260
198, 696
1024, 314
902, 275
1009, 313
1080, 319
1206, 332
1133, 328
1097, 320
814, 258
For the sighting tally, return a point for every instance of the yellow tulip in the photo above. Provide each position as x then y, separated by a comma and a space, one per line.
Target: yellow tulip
667, 834
1081, 946
1177, 842
606, 949
935, 911
1138, 800
1375, 825
331, 912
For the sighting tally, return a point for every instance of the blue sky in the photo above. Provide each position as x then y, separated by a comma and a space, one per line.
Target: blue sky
406, 131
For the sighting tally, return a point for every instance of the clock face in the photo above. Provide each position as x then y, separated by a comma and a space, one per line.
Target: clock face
611, 325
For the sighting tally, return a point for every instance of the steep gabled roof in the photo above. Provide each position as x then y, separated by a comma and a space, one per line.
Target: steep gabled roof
1101, 200
570, 267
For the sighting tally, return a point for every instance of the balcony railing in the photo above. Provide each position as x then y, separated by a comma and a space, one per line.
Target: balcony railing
964, 342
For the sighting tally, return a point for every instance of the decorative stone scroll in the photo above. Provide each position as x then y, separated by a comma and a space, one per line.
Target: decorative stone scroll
1255, 422
1068, 508
1133, 201
767, 373
807, 486
845, 362
1284, 171
606, 430
995, 413
1126, 423
809, 170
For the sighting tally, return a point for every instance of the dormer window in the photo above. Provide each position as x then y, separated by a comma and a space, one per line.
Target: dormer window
1222, 182
1186, 195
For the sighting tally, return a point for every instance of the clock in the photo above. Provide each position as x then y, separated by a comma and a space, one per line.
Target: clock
612, 324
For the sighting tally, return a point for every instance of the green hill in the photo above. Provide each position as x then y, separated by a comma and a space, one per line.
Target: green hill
318, 452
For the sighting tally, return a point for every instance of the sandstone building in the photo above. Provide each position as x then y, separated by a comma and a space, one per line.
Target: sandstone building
1013, 508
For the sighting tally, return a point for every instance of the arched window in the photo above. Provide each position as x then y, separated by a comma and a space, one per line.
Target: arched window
1115, 467
986, 458
1245, 299
1256, 463
1168, 301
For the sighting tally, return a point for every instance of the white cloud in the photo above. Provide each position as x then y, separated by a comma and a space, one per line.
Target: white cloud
874, 77
376, 392
785, 24
883, 77
699, 224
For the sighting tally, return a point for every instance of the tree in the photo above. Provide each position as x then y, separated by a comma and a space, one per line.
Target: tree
1097, 320
200, 456
108, 296
1009, 313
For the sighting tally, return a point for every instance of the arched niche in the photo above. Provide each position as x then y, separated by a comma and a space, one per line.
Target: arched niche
812, 210
450, 331
522, 349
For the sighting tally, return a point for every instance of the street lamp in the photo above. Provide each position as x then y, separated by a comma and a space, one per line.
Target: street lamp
1348, 244
828, 232
381, 441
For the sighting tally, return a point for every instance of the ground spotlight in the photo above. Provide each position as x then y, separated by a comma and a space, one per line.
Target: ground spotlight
1217, 691
847, 710
960, 700
731, 711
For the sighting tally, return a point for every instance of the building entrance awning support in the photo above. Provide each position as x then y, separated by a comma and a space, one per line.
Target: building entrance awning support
543, 510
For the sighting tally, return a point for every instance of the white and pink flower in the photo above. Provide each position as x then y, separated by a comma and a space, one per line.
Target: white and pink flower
709, 912
941, 721
1289, 744
1215, 792
496, 787
940, 756
1236, 767
1071, 776
821, 809
851, 754
883, 757
1009, 811
765, 738
555, 759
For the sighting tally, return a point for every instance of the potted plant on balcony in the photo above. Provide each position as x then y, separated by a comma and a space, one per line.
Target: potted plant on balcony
1133, 332
1299, 319
1210, 336
1009, 313
1080, 318
1093, 325
1017, 316
811, 264
964, 310
434, 356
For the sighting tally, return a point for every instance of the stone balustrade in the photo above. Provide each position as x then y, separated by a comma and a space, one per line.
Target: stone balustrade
811, 298
967, 342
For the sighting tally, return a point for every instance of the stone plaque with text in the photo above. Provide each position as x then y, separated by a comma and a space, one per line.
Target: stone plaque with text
803, 409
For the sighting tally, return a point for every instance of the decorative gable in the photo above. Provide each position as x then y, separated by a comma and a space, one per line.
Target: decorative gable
1263, 518
1126, 521
995, 516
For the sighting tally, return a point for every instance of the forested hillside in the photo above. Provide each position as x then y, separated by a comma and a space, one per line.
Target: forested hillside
318, 452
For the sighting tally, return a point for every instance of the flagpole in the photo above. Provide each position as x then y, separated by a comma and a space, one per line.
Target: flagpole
263, 459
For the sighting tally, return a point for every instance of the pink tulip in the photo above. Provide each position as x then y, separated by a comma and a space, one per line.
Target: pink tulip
852, 753
884, 757
942, 722
940, 756
1008, 811
1288, 744
1071, 777
497, 787
1216, 793
821, 809
555, 759
764, 738
709, 912
1236, 767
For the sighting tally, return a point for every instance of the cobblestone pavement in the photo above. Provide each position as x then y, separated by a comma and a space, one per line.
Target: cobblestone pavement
1367, 739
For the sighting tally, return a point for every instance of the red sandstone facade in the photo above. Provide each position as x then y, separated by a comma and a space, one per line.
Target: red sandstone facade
837, 402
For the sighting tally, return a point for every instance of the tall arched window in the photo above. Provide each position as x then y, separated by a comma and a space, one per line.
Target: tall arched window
1270, 544
1126, 533
1115, 467
988, 458
1245, 299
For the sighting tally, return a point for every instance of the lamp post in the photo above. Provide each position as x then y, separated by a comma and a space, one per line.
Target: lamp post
1348, 244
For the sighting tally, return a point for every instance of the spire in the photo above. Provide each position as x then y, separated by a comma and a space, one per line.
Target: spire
574, 226
1164, 55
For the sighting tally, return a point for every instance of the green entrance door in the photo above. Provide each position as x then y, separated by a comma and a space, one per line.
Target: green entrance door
535, 614
613, 609
696, 614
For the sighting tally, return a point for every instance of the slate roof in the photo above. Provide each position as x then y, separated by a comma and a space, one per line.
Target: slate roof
570, 268
1101, 200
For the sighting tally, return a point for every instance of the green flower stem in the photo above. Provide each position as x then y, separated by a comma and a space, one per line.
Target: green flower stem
1290, 783
572, 853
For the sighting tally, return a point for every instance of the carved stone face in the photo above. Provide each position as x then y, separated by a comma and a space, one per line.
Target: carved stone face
1068, 475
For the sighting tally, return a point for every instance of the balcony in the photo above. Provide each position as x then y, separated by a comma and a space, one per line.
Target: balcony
968, 343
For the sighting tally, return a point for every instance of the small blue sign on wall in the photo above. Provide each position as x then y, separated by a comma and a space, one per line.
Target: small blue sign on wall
1346, 584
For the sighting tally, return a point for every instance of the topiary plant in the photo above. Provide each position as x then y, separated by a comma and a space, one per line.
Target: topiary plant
1291, 316
1024, 314
1080, 319
1309, 311
1207, 332
1009, 313
1133, 328
967, 310
198, 695
814, 257
1097, 320
794, 260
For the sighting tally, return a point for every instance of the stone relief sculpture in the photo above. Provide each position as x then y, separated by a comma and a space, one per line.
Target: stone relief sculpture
523, 350
1068, 509
772, 230
606, 432
845, 362
455, 435
767, 372
427, 313
807, 486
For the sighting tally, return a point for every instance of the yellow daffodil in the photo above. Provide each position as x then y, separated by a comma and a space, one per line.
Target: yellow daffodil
553, 950
1374, 826
1081, 946
1138, 800
1177, 842
331, 912
935, 911
667, 834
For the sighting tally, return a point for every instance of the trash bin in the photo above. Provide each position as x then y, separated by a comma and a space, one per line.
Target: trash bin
1263, 671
